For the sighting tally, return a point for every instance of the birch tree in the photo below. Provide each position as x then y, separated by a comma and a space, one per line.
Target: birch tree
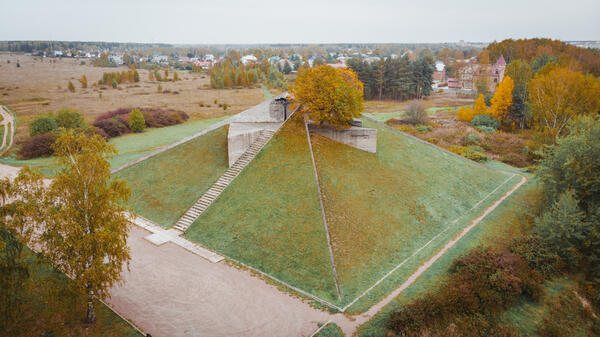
85, 231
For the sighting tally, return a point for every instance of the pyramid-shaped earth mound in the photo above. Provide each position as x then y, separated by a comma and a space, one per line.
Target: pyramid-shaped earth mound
386, 212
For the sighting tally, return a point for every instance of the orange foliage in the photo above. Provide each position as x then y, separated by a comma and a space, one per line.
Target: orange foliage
333, 96
502, 99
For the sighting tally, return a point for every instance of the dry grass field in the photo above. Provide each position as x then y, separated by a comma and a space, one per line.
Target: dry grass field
436, 100
39, 86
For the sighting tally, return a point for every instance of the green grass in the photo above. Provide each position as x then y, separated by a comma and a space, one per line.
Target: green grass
395, 201
49, 304
129, 147
527, 314
166, 185
269, 217
504, 222
331, 330
266, 93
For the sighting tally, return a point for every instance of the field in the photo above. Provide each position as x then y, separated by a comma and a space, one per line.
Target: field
270, 218
39, 86
166, 185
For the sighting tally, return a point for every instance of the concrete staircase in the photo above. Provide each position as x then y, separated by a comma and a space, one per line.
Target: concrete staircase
219, 186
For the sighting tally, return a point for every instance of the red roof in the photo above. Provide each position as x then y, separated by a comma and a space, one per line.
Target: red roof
501, 61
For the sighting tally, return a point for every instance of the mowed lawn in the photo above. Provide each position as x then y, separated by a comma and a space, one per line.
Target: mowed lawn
270, 217
382, 208
164, 186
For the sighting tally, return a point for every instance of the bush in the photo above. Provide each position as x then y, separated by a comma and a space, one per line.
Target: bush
485, 129
423, 128
415, 113
69, 119
71, 87
112, 127
485, 120
42, 124
38, 146
481, 286
471, 138
469, 153
157, 118
136, 121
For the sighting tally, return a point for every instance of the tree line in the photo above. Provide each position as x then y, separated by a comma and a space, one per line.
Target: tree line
230, 74
395, 78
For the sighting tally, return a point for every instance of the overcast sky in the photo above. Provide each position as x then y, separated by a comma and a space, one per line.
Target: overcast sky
304, 21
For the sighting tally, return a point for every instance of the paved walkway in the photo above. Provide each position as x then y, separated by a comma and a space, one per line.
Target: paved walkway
171, 292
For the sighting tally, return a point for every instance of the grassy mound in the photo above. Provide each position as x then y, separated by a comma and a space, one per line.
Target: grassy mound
164, 186
270, 218
382, 208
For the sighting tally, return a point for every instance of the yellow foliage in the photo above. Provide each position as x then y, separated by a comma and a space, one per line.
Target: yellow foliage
480, 107
560, 95
333, 96
465, 114
502, 99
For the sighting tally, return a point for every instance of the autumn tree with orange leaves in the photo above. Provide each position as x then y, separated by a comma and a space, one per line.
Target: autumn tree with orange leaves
332, 96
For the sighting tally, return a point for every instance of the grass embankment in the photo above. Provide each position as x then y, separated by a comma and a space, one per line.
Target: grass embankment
49, 305
270, 218
130, 147
164, 186
382, 208
331, 330
505, 222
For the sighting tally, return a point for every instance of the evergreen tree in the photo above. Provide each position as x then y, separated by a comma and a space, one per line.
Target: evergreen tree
287, 68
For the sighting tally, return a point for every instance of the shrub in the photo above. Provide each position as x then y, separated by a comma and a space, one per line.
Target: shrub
71, 87
481, 285
469, 153
112, 127
42, 124
486, 129
38, 146
485, 120
156, 118
423, 128
137, 123
69, 119
471, 138
114, 84
465, 114
415, 113
225, 106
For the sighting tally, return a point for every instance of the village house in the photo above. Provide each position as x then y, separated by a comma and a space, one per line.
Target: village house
439, 75
246, 59
489, 75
